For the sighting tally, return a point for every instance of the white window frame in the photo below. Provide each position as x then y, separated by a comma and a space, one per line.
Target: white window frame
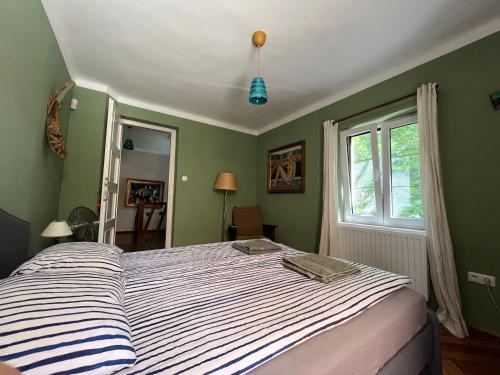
348, 215
383, 194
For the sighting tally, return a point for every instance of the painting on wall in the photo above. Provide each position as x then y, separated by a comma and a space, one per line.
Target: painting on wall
286, 168
53, 121
151, 191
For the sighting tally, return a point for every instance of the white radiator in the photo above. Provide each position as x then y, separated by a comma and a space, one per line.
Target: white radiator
399, 252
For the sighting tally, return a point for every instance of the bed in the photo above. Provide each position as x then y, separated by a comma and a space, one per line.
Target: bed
211, 309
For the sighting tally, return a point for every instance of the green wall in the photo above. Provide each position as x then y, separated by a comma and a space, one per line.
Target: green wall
469, 131
82, 174
31, 68
202, 151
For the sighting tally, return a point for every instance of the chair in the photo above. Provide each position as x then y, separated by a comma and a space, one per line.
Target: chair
247, 224
140, 230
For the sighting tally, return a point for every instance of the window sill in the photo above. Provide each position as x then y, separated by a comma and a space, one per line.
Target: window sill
381, 228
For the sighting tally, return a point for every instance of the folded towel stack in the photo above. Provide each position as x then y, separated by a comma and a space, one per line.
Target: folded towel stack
320, 267
256, 247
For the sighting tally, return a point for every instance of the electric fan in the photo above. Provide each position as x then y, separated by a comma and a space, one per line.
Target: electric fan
84, 223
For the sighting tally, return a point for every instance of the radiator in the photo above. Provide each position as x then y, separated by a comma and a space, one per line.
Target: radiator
399, 252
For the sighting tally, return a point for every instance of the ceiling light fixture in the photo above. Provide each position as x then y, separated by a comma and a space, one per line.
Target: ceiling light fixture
258, 93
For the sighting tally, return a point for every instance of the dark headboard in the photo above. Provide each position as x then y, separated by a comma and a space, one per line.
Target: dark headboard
14, 242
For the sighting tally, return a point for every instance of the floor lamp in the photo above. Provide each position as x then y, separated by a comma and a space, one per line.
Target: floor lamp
225, 181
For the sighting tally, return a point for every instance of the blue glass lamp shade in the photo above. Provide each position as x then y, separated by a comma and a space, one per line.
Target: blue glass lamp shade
128, 144
258, 93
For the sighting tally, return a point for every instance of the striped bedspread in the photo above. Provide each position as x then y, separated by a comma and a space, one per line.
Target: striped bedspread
64, 323
210, 309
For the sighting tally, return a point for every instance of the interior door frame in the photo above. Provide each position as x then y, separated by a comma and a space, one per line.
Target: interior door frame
110, 186
125, 121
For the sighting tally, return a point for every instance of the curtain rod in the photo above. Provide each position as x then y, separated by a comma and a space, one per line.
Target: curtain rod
380, 106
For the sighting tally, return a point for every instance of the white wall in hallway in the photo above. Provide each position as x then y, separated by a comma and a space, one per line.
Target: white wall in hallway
139, 165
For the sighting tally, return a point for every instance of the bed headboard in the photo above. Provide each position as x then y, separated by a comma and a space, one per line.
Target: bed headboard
14, 242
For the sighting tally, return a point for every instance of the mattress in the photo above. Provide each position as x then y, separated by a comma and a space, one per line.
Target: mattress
359, 347
212, 309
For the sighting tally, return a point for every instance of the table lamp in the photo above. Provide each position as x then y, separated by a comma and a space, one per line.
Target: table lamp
57, 229
225, 181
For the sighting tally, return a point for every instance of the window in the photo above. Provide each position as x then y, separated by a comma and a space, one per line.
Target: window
381, 174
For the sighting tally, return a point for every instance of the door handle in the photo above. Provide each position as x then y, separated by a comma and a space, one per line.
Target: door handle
106, 192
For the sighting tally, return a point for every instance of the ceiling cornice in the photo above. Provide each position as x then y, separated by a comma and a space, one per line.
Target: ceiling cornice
461, 40
122, 99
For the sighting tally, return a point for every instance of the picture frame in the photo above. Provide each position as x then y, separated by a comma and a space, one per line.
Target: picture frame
152, 191
286, 168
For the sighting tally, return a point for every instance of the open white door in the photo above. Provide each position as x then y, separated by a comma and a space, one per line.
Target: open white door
110, 176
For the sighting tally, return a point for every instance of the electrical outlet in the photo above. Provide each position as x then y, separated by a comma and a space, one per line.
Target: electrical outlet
479, 278
184, 178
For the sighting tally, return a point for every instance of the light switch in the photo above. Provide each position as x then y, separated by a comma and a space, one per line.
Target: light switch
184, 178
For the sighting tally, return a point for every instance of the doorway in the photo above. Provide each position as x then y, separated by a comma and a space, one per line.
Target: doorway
138, 185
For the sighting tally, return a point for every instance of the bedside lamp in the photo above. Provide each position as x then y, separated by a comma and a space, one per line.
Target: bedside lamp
57, 229
225, 181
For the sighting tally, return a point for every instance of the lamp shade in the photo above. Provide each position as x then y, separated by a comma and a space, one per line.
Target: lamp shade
226, 181
57, 229
128, 144
258, 93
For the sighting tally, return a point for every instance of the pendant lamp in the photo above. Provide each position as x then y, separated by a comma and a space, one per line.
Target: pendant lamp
258, 92
129, 143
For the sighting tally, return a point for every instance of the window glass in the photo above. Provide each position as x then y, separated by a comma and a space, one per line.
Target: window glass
361, 171
405, 173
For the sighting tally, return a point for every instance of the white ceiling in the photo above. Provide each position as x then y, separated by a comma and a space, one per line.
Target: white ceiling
195, 59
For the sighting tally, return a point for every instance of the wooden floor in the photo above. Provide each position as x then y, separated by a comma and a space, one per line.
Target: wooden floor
478, 354
125, 241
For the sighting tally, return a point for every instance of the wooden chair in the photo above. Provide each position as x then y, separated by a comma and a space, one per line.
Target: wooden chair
247, 224
141, 229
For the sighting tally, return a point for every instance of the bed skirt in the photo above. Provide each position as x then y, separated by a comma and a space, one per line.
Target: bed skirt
421, 355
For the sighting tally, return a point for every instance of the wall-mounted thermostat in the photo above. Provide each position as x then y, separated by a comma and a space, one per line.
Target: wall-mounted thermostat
74, 103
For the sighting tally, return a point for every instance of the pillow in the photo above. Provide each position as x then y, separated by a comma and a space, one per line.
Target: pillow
64, 323
74, 256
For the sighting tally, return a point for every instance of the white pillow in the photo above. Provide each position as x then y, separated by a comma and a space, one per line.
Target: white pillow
74, 256
65, 322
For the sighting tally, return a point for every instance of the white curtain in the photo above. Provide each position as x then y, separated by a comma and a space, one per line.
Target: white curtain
439, 246
329, 242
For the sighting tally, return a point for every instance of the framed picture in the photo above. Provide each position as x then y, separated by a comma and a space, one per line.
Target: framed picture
150, 190
286, 168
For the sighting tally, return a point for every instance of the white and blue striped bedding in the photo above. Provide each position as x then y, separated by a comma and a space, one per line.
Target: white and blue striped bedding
64, 323
74, 256
210, 309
